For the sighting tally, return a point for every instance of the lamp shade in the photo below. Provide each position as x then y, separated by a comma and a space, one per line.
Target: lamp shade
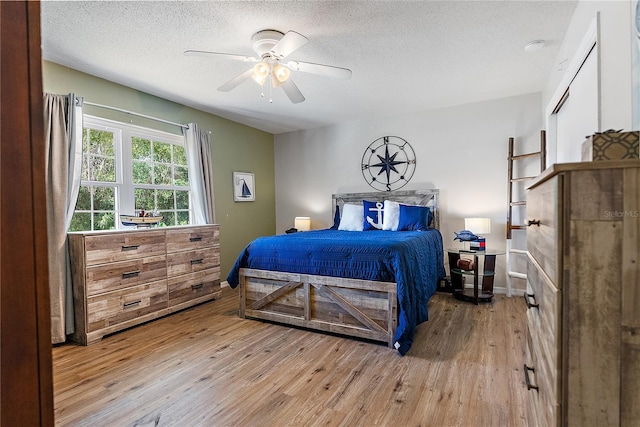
260, 72
303, 223
478, 225
280, 75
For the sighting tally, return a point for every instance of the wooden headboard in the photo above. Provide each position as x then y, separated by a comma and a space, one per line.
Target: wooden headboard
408, 197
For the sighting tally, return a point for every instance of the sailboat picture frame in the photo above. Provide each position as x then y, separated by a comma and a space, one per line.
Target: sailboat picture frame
244, 189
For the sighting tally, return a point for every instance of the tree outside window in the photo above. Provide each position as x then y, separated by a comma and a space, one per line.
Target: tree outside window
127, 170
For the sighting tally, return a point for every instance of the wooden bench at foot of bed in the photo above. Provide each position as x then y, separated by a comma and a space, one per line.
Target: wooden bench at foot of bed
357, 308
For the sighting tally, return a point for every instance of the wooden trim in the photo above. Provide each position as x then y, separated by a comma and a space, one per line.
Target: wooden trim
26, 390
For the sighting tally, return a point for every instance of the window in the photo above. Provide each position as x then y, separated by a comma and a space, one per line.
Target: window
127, 170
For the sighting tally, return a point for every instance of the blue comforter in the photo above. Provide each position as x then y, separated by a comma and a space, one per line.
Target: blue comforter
412, 259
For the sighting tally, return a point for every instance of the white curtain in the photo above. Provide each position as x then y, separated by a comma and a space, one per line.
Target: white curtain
198, 148
63, 134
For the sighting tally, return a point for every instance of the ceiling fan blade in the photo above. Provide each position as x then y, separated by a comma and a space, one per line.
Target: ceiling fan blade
320, 69
236, 81
290, 42
224, 55
292, 91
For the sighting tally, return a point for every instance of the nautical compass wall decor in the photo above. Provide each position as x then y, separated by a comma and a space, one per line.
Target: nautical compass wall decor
388, 163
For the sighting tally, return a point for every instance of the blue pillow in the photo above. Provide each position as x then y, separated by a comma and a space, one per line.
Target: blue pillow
336, 219
414, 218
373, 215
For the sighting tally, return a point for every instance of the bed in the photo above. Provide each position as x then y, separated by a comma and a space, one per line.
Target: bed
372, 284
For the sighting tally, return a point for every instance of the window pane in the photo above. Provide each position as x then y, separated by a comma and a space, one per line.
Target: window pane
103, 221
162, 174
104, 199
85, 140
101, 142
179, 155
161, 152
181, 176
169, 219
144, 199
141, 173
182, 199
102, 169
84, 199
81, 221
140, 149
183, 218
85, 166
165, 200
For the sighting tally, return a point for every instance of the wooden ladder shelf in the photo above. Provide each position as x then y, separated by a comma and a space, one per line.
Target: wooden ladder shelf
542, 154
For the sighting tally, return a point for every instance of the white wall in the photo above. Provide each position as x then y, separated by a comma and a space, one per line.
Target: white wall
460, 150
614, 50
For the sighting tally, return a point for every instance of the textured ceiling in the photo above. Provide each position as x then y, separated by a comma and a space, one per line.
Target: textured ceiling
405, 56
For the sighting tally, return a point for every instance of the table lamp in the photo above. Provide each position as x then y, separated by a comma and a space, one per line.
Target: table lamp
479, 227
302, 223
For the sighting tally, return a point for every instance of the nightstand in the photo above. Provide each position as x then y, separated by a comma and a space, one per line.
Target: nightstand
472, 268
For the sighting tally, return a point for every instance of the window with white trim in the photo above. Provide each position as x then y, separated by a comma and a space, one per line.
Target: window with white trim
128, 169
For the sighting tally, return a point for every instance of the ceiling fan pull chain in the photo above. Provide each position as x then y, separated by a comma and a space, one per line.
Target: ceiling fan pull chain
270, 91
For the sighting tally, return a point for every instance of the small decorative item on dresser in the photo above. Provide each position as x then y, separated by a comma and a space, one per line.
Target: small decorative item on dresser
142, 220
611, 145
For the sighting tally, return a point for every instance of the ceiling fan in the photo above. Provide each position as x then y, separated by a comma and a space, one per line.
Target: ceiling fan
273, 47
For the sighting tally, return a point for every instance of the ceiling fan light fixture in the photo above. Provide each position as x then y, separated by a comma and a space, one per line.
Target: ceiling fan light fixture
260, 72
280, 74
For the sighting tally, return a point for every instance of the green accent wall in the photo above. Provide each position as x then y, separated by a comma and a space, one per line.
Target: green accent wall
235, 148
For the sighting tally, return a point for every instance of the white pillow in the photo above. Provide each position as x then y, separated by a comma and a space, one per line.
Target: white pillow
352, 218
391, 216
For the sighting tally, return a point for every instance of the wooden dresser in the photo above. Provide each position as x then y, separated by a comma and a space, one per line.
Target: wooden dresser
124, 278
582, 362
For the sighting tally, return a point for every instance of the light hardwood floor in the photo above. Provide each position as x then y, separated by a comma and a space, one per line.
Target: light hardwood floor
207, 367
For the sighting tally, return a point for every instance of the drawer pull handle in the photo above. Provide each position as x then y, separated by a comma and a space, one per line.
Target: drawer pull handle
526, 378
197, 261
130, 274
195, 239
130, 247
198, 286
131, 304
529, 304
533, 222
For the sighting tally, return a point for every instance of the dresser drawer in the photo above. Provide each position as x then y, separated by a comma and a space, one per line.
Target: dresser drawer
116, 307
543, 236
191, 261
544, 329
180, 239
107, 248
194, 285
536, 413
118, 275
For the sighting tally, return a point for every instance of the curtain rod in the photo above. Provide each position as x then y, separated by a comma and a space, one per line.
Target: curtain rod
135, 114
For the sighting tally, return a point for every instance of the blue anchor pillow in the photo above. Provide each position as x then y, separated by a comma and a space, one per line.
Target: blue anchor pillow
373, 215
